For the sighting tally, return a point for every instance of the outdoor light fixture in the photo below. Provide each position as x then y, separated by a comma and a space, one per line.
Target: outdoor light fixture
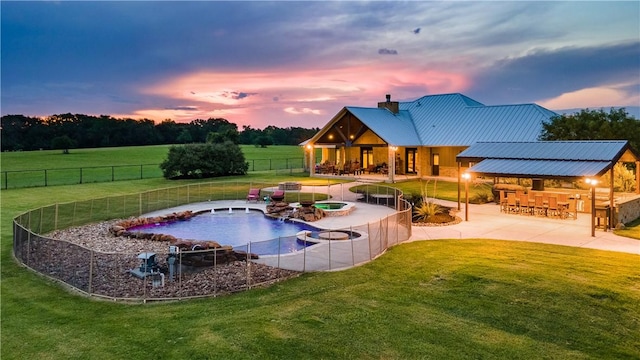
393, 148
309, 146
466, 176
592, 183
330, 136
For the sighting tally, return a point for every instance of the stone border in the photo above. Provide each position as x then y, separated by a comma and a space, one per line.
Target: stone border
456, 221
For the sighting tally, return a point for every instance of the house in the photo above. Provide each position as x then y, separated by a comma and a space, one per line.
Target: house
421, 137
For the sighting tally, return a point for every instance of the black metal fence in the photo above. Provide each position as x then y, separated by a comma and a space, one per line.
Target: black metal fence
107, 274
107, 173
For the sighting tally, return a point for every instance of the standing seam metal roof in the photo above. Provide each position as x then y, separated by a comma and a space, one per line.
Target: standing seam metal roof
453, 120
604, 150
567, 159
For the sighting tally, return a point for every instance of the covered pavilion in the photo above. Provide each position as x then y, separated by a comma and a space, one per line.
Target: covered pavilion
559, 160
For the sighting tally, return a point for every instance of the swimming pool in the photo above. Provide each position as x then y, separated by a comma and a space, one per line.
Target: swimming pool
237, 228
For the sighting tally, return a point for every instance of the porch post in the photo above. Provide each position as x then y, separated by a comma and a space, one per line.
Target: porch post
312, 159
459, 175
392, 163
637, 177
612, 210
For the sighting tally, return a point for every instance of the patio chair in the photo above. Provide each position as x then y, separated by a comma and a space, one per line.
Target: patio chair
525, 208
539, 208
503, 201
553, 209
512, 204
254, 195
563, 204
277, 195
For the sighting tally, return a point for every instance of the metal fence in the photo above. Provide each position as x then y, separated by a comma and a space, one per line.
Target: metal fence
94, 174
108, 274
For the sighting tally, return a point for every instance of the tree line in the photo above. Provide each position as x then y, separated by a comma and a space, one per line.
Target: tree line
65, 131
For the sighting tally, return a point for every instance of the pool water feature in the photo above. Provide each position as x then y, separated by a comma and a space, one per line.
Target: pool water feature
237, 227
318, 236
334, 208
330, 205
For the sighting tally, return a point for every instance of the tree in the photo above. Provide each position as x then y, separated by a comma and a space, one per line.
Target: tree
594, 125
263, 141
184, 137
63, 143
204, 161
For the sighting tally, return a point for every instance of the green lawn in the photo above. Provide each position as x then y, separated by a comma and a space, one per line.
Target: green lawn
449, 299
632, 230
25, 169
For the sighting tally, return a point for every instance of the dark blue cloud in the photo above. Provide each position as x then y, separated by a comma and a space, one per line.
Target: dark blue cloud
549, 73
387, 52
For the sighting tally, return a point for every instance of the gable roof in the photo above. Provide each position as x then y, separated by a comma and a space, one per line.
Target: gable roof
456, 120
395, 129
546, 159
449, 120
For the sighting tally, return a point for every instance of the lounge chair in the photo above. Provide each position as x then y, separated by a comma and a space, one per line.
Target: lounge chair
278, 195
254, 195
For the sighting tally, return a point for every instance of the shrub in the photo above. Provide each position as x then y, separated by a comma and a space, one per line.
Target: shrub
482, 197
204, 161
426, 208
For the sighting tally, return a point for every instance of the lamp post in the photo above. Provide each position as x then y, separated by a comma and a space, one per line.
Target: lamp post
593, 183
466, 176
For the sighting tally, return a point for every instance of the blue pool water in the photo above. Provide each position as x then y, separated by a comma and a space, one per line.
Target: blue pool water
267, 236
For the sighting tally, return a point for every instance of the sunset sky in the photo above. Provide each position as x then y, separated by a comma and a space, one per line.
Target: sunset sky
288, 63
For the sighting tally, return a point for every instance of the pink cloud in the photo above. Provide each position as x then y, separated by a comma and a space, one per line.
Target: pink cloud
271, 98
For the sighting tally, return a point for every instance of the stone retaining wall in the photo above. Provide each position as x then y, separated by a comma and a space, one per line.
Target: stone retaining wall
628, 210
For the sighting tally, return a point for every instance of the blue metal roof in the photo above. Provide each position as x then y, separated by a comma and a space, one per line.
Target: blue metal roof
453, 120
603, 150
540, 168
395, 129
544, 158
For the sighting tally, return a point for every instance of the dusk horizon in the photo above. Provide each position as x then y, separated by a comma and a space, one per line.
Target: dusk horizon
296, 64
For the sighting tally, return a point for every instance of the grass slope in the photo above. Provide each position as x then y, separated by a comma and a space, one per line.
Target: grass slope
448, 299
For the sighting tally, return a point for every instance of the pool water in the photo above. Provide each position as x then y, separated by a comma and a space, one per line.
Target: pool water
267, 236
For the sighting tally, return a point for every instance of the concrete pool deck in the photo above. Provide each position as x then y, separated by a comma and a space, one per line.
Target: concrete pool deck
485, 222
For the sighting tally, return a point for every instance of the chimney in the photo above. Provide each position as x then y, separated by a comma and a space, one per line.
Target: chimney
392, 106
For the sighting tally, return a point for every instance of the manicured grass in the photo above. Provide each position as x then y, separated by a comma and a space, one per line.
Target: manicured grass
440, 189
449, 299
632, 230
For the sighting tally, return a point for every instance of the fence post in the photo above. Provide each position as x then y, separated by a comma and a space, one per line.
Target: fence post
353, 255
80, 175
113, 178
90, 271
55, 220
45, 178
